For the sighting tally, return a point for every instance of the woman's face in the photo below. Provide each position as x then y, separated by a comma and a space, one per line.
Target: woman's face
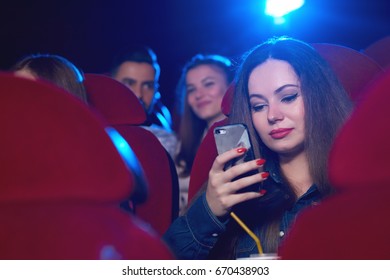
277, 106
206, 86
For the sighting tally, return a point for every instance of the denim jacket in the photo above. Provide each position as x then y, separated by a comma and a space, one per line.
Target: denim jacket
194, 234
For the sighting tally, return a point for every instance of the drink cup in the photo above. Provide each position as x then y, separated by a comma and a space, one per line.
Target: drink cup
265, 256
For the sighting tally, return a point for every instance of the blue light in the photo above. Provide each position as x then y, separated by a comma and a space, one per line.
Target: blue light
140, 191
125, 151
279, 8
279, 20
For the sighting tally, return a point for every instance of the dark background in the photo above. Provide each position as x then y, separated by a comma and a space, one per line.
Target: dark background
89, 33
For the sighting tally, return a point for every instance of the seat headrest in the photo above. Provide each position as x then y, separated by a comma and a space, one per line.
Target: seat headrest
227, 100
360, 156
380, 51
355, 70
113, 100
53, 147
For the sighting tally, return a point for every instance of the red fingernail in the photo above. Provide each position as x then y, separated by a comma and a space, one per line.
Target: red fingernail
260, 161
264, 175
241, 150
262, 191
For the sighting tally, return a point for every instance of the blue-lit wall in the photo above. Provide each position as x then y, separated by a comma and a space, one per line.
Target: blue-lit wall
89, 32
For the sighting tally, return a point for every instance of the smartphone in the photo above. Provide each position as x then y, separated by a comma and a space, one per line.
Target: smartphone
232, 136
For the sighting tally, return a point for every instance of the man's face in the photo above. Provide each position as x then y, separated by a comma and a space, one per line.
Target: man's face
140, 78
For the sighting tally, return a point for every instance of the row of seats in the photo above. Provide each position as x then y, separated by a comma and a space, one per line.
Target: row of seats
59, 194
63, 179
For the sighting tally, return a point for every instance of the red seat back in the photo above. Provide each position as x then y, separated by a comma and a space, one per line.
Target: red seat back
113, 100
203, 161
162, 204
354, 223
380, 51
62, 181
228, 99
354, 69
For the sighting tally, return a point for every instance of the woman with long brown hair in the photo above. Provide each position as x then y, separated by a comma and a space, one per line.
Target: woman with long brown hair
203, 83
293, 105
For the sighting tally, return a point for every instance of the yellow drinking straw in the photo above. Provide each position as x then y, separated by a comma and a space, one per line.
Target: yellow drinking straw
251, 234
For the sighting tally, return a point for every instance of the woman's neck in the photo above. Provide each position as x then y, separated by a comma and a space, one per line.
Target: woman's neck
296, 170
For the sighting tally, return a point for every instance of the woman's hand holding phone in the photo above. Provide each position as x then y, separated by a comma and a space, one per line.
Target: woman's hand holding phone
222, 191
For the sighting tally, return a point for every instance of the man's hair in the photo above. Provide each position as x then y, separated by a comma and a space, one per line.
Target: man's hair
136, 53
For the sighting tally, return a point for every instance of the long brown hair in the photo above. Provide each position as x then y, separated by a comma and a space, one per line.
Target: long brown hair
327, 106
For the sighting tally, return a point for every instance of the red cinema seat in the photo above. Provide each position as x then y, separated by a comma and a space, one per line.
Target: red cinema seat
62, 180
205, 156
354, 69
380, 51
122, 110
353, 223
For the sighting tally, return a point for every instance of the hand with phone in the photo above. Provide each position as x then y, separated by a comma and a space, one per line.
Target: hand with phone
234, 174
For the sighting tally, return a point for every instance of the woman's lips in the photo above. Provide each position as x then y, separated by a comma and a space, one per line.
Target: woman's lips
280, 133
202, 104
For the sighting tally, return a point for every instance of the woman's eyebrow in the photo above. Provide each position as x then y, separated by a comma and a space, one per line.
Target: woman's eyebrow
278, 90
256, 95
285, 86
205, 79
